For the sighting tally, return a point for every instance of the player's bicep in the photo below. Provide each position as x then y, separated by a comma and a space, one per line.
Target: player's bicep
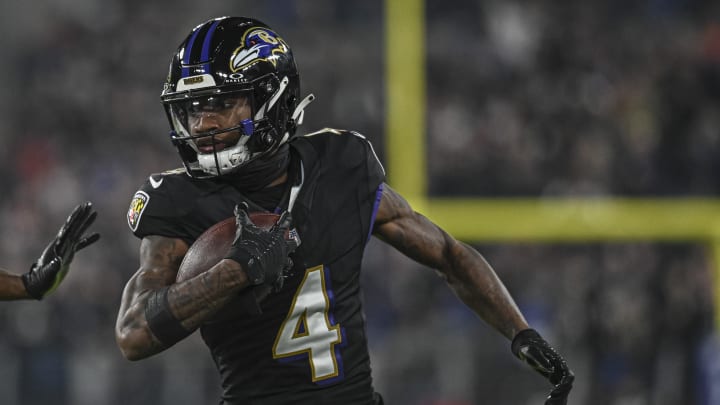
409, 232
160, 258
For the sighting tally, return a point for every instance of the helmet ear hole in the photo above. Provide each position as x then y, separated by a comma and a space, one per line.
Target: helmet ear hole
290, 102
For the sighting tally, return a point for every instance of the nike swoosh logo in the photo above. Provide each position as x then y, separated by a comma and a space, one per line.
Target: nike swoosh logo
156, 183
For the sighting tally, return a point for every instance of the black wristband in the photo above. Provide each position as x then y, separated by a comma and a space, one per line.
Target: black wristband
521, 338
29, 287
162, 323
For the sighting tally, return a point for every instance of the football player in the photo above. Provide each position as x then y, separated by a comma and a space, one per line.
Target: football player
46, 274
232, 97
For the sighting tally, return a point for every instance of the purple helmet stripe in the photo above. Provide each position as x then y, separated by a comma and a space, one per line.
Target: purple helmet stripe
188, 51
205, 54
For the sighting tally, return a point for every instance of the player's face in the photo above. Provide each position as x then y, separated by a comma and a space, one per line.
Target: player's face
216, 113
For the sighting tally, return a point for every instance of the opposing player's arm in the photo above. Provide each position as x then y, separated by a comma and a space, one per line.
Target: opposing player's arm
50, 269
464, 269
175, 310
12, 287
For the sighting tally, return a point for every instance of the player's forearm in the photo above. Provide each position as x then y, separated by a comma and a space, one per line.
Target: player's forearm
11, 287
132, 334
155, 314
188, 305
196, 300
476, 284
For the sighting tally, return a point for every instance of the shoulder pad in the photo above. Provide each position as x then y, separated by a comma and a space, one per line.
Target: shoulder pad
168, 194
327, 131
345, 148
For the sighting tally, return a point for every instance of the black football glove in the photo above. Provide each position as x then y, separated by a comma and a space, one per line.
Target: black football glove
50, 269
263, 253
531, 348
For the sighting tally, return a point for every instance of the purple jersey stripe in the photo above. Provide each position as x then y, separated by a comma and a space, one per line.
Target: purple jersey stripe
378, 197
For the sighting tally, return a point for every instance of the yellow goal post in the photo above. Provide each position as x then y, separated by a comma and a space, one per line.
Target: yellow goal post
560, 220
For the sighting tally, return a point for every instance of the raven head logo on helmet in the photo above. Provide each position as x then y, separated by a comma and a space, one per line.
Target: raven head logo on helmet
231, 96
258, 44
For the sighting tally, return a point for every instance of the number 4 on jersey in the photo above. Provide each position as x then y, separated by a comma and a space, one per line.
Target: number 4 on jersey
307, 328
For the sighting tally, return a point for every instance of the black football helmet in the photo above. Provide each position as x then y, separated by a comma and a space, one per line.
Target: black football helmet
225, 59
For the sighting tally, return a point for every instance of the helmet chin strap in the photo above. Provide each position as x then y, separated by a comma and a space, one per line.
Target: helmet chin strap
299, 114
271, 102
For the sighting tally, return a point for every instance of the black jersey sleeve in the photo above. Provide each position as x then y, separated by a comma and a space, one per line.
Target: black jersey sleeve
375, 177
349, 151
357, 153
375, 170
345, 162
158, 207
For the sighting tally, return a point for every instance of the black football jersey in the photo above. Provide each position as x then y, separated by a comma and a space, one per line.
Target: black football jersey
308, 345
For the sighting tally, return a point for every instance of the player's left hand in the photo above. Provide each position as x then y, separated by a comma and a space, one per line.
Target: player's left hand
263, 254
531, 348
50, 269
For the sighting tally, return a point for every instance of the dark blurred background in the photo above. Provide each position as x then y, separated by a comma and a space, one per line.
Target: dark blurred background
524, 99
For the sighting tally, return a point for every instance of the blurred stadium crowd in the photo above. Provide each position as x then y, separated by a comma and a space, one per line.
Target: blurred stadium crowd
542, 98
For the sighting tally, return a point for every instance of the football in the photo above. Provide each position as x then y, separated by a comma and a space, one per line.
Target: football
213, 244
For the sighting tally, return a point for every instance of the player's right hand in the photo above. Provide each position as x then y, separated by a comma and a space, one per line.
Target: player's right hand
263, 253
50, 269
531, 348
